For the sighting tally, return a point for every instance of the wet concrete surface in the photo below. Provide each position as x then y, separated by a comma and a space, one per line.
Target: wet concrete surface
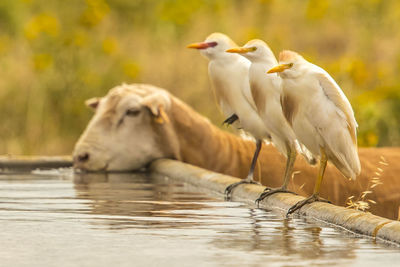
57, 218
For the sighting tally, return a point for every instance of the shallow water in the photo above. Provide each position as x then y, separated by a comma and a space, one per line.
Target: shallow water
56, 218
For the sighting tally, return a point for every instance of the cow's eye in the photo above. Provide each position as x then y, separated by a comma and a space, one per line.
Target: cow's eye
132, 112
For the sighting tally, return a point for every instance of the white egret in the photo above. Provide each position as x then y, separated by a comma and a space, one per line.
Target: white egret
229, 78
321, 116
266, 91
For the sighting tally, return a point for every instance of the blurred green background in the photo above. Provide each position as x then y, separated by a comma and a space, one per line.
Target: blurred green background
56, 54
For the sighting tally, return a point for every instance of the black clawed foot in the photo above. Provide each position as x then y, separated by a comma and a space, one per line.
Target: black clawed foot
231, 119
229, 189
300, 204
270, 191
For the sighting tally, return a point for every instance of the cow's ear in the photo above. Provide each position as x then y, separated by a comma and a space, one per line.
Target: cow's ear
92, 102
156, 104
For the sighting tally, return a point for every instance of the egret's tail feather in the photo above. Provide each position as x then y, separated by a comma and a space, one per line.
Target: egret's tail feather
348, 163
308, 156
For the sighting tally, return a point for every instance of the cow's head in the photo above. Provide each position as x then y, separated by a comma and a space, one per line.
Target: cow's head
130, 128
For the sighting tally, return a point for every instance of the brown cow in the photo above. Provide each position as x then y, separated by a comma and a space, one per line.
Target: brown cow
136, 124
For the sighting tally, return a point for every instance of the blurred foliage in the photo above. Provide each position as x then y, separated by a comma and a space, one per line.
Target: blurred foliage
55, 54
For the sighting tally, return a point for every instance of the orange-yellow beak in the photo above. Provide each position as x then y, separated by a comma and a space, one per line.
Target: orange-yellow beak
202, 45
241, 50
280, 68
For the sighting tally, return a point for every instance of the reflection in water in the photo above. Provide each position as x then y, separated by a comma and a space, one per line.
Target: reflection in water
139, 219
139, 197
239, 228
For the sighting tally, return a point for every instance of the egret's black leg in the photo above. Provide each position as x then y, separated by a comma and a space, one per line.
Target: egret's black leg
249, 179
231, 119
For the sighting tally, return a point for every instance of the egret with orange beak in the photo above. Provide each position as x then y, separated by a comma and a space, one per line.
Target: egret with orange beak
320, 115
266, 91
229, 78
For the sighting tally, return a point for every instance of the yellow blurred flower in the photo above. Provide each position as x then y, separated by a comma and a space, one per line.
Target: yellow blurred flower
178, 11
371, 139
95, 12
131, 69
316, 9
110, 45
79, 39
42, 61
358, 71
42, 23
383, 71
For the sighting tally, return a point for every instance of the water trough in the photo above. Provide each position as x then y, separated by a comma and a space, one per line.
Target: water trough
206, 181
356, 221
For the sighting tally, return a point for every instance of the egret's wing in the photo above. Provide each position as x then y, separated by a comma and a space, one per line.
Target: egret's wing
289, 107
223, 105
336, 95
248, 96
219, 92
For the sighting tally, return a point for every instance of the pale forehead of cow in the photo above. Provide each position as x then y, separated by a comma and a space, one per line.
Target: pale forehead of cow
134, 91
141, 90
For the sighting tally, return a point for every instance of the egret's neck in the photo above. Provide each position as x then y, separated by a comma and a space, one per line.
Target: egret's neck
224, 59
270, 84
265, 61
261, 67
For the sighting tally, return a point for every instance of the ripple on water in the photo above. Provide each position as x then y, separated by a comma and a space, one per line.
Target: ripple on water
101, 219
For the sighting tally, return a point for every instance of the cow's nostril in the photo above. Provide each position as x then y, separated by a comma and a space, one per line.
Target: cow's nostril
83, 157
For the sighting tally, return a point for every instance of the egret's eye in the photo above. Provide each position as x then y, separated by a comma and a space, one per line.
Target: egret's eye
212, 44
290, 65
132, 112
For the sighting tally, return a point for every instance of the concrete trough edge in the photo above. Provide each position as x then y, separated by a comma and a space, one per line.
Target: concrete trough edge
25, 163
355, 221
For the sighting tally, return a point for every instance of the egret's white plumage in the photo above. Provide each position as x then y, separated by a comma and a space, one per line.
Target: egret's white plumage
229, 78
266, 91
323, 116
319, 112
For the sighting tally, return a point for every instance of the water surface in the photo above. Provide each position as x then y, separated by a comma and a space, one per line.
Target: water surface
56, 218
